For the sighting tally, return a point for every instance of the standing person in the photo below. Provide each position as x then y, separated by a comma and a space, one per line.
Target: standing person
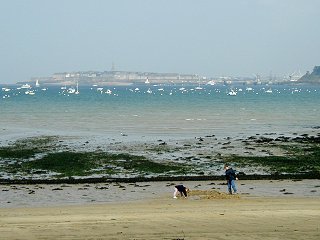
231, 178
182, 189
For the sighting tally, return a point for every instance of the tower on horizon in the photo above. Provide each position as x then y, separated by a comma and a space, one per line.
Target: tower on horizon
113, 68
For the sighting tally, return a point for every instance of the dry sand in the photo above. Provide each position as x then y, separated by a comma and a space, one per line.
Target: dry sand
202, 216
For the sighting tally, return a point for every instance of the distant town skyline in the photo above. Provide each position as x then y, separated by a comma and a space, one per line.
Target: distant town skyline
207, 37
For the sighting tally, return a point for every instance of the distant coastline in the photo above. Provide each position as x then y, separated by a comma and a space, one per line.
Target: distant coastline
127, 78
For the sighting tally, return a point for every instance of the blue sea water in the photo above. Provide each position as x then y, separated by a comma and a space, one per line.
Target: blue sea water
154, 112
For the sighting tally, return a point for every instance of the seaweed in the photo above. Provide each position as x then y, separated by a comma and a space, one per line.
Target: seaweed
28, 147
84, 163
66, 163
304, 158
17, 152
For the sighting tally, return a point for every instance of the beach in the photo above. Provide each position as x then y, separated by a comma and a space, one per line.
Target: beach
256, 218
115, 159
263, 210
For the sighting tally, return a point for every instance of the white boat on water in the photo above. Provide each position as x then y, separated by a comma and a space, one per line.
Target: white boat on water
147, 81
269, 90
26, 86
211, 82
77, 90
6, 89
71, 90
232, 93
37, 83
29, 92
249, 89
109, 92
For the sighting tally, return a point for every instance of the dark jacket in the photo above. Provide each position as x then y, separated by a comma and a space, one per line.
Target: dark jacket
230, 174
182, 189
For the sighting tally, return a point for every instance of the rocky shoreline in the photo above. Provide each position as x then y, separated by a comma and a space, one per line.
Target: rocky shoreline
294, 177
58, 159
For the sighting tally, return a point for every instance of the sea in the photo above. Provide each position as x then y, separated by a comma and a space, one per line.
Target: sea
149, 112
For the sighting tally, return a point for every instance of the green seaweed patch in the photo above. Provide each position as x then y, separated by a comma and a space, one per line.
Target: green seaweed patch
40, 141
65, 163
17, 152
87, 163
28, 147
299, 159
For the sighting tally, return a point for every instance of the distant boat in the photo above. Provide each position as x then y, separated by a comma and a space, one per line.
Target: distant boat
29, 92
6, 89
211, 82
149, 91
199, 87
147, 81
26, 86
71, 90
232, 93
37, 83
109, 92
64, 87
77, 91
269, 90
100, 89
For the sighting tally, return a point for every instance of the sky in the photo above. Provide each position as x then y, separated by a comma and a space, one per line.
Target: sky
205, 37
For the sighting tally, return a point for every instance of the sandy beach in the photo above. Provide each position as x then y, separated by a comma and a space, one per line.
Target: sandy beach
264, 214
264, 209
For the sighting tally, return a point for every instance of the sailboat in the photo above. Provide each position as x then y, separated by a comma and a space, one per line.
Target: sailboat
37, 83
232, 92
269, 90
77, 91
71, 90
199, 87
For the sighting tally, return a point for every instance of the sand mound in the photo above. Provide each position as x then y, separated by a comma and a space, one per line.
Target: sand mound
211, 194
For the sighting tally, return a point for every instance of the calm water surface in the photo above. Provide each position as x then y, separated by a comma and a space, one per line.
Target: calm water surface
159, 111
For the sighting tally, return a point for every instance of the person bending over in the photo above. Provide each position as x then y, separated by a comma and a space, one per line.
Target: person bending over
182, 190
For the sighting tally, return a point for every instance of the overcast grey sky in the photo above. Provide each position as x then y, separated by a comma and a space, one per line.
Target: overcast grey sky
206, 37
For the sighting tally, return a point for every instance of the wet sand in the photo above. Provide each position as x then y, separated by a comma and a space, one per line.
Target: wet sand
43, 195
259, 214
164, 218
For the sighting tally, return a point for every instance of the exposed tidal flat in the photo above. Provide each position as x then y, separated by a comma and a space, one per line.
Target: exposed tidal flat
57, 159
